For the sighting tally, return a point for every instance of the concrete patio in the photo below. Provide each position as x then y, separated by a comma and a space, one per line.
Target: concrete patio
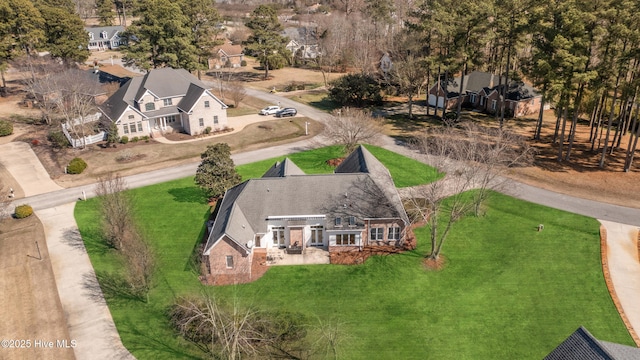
309, 256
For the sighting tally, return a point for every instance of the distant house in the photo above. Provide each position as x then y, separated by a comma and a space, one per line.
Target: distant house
481, 91
105, 37
303, 42
581, 345
165, 100
287, 217
226, 55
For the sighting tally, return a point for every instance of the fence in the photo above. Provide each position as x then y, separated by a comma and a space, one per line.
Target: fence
89, 139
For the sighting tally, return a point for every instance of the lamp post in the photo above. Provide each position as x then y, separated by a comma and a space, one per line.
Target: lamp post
306, 128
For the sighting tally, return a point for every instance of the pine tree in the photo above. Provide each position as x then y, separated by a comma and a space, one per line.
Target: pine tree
266, 42
217, 173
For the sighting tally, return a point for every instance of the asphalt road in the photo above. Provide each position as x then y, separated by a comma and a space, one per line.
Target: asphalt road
576, 205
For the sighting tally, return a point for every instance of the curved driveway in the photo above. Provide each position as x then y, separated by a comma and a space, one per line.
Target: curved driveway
46, 202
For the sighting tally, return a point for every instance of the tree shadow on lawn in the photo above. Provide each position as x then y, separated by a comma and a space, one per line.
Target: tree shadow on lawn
107, 285
160, 348
189, 194
194, 262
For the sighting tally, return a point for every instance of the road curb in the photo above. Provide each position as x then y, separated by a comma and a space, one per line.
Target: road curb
612, 290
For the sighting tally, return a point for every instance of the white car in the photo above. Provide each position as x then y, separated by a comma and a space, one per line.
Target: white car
270, 110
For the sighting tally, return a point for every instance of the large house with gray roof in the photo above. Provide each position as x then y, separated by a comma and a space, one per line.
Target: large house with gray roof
481, 91
288, 217
105, 37
165, 100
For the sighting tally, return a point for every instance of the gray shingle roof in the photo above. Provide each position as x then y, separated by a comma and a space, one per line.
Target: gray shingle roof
581, 345
478, 81
283, 168
283, 191
163, 83
97, 31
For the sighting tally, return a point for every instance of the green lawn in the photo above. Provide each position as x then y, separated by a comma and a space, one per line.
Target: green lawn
508, 291
404, 171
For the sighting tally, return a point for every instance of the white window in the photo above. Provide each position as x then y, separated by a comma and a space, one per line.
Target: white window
345, 239
481, 100
104, 35
278, 235
149, 106
376, 234
132, 127
131, 117
206, 104
91, 36
338, 222
352, 221
316, 234
215, 119
472, 98
201, 122
125, 127
229, 261
140, 126
494, 103
394, 233
167, 102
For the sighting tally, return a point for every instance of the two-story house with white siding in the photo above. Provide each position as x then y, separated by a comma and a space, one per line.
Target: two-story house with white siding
165, 100
287, 217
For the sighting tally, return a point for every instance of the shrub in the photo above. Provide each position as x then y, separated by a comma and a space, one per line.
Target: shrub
243, 63
355, 89
23, 211
6, 128
124, 139
135, 139
57, 139
76, 166
145, 138
207, 130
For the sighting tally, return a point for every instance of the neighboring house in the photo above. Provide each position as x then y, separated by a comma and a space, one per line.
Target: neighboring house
386, 64
57, 86
226, 55
581, 345
303, 42
115, 73
481, 91
105, 37
288, 217
165, 100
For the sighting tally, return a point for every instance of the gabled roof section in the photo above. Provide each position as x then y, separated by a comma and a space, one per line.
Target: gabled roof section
581, 345
168, 82
191, 97
283, 168
223, 217
115, 105
360, 161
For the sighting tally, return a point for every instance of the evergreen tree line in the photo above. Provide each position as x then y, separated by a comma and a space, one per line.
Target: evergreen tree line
583, 55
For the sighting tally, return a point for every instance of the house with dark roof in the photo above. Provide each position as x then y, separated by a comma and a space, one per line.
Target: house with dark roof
165, 100
303, 42
481, 91
105, 37
288, 217
581, 345
115, 73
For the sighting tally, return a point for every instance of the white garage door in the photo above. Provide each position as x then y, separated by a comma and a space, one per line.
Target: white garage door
432, 101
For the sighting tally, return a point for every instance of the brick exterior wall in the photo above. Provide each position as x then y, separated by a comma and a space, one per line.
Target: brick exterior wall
219, 273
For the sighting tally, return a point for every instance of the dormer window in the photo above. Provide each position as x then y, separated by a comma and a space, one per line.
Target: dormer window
352, 220
338, 222
90, 36
104, 34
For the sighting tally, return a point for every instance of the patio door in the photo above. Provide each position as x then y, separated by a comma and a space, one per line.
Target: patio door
317, 235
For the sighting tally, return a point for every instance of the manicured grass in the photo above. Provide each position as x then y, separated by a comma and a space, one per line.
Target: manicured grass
507, 292
317, 99
404, 171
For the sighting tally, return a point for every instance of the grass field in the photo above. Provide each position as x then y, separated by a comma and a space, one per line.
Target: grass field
507, 292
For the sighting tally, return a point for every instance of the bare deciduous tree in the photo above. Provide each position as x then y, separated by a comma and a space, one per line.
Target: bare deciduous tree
140, 262
115, 208
236, 92
473, 159
350, 126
